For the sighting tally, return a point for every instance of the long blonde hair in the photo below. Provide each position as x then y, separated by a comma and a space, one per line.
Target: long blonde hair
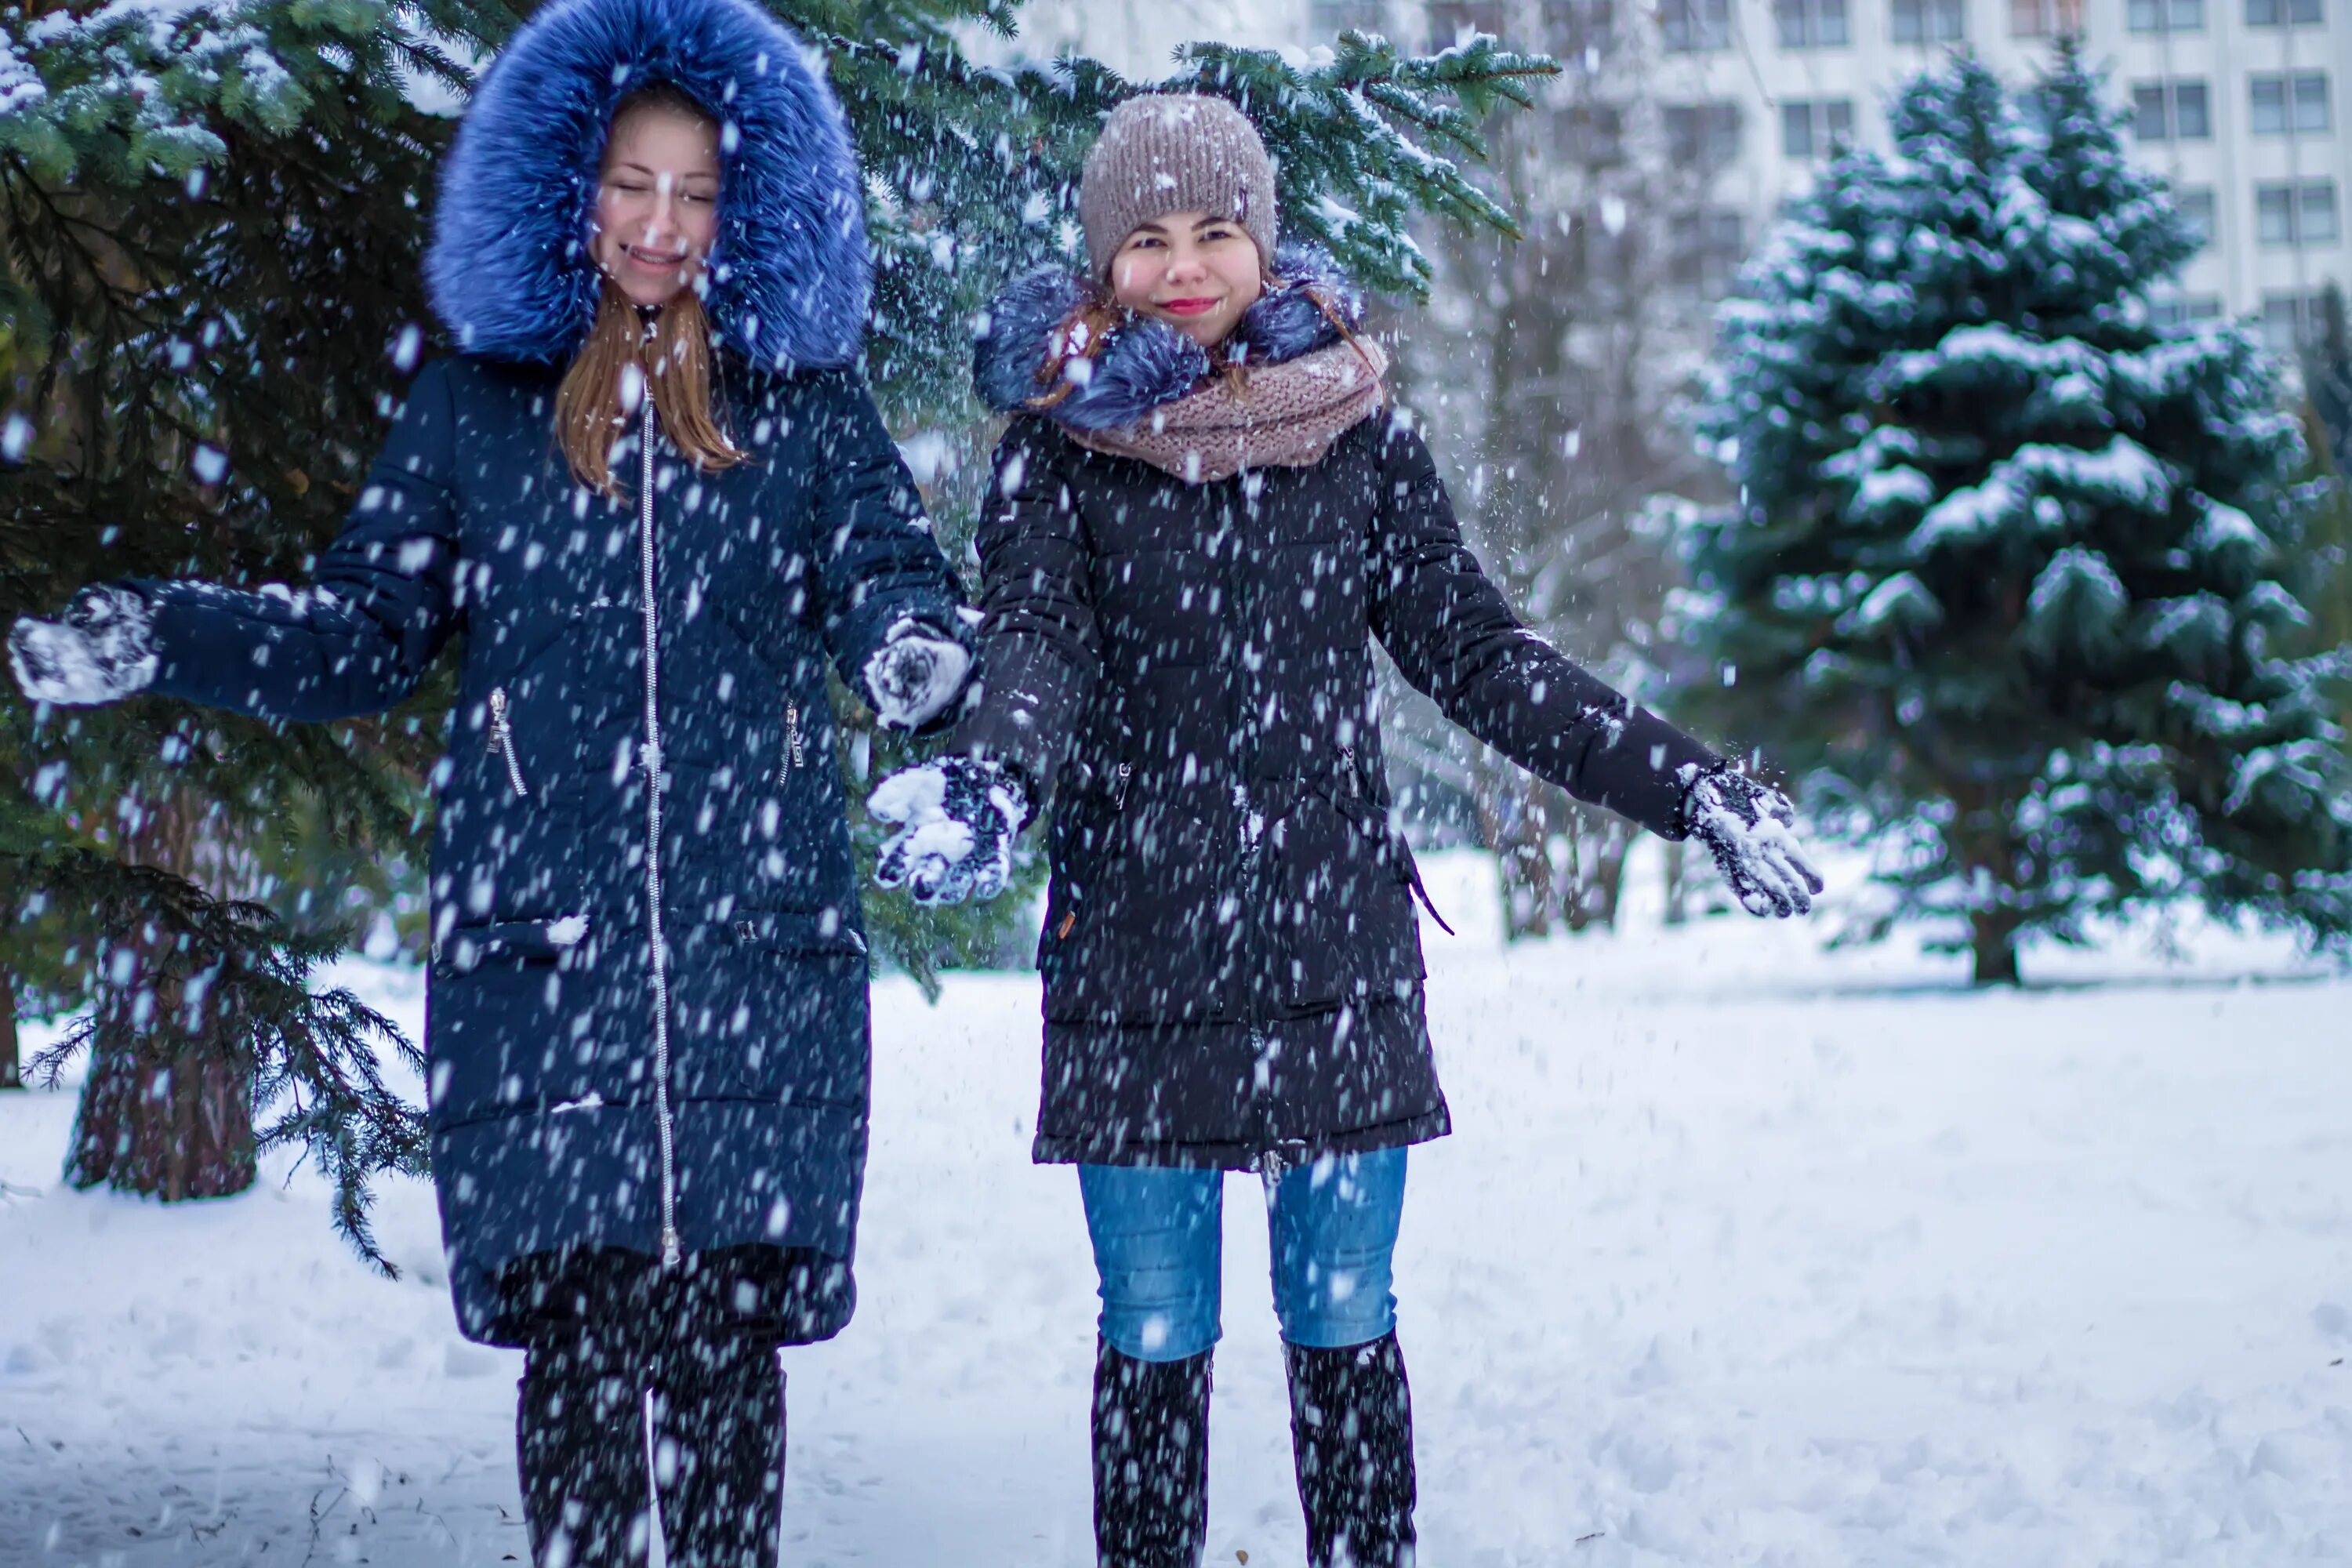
632, 354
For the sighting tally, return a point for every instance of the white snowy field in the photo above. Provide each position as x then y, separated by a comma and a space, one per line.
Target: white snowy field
1743, 1253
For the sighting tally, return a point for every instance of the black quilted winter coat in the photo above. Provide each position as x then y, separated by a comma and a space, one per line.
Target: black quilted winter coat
1231, 959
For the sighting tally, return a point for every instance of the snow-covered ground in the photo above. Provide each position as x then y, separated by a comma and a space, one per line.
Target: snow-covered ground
1743, 1253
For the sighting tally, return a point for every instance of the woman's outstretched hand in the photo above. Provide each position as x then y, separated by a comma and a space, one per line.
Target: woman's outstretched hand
957, 819
915, 674
1750, 828
100, 651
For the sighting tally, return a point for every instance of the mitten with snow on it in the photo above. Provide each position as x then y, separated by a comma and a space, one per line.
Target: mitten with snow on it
915, 674
1750, 828
957, 819
101, 649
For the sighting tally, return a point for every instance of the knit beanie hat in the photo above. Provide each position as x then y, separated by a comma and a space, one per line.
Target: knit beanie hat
1171, 153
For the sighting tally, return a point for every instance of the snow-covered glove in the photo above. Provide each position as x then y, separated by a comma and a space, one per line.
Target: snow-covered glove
100, 651
1749, 826
957, 819
915, 674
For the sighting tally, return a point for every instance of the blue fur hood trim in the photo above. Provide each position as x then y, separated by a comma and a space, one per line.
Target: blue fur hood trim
1149, 363
789, 279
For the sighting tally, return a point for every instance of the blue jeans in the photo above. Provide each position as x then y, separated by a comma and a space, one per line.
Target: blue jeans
1158, 1236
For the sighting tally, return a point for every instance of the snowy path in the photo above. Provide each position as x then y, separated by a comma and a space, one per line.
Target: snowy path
1743, 1253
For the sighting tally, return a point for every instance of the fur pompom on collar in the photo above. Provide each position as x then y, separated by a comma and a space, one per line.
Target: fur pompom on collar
509, 269
1148, 363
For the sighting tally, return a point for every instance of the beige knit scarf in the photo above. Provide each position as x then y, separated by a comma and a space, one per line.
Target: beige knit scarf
1283, 415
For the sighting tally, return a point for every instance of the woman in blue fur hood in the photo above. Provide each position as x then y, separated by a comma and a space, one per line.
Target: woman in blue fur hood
652, 488
1207, 514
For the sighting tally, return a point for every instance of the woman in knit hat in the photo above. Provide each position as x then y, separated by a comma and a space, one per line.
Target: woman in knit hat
652, 487
1205, 513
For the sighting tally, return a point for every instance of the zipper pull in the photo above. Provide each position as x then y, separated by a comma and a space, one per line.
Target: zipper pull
1118, 778
671, 1252
503, 741
793, 745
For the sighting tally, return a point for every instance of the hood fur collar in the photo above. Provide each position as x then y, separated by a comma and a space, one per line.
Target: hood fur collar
1148, 362
507, 270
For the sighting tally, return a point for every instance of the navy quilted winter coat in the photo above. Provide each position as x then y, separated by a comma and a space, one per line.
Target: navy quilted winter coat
647, 1016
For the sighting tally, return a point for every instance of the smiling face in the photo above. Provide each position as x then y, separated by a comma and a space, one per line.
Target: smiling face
657, 201
1195, 272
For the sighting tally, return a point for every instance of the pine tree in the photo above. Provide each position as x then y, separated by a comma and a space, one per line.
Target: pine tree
212, 231
2328, 384
209, 296
2014, 572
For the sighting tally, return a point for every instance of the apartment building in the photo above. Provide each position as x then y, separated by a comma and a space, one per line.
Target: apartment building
2241, 104
2236, 102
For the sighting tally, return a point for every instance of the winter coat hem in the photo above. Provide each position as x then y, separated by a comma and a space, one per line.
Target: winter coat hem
1108, 1150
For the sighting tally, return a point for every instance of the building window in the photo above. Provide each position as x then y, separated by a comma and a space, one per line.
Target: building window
1930, 21
2171, 111
1452, 21
2283, 12
1813, 129
1592, 135
2288, 104
1693, 26
1703, 135
2165, 16
1574, 27
1708, 246
2195, 206
2044, 19
1329, 18
2300, 213
2291, 321
2180, 312
1811, 24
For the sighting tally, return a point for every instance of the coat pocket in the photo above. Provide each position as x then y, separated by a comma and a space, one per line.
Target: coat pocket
1145, 922
550, 942
1341, 892
797, 932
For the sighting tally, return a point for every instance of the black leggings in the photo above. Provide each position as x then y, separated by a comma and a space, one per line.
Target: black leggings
716, 1393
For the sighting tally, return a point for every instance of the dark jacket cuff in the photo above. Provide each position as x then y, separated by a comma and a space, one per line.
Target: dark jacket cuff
1642, 769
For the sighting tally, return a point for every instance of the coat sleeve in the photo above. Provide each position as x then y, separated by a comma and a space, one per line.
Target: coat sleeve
1039, 653
383, 598
878, 564
1454, 637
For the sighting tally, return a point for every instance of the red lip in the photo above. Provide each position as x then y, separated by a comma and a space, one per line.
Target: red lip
1188, 307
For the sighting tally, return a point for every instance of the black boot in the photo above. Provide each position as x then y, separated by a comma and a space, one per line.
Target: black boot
1352, 1431
1151, 1461
580, 1442
718, 1452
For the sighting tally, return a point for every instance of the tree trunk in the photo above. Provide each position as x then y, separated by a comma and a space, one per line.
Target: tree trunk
1518, 826
1992, 940
172, 1129
1677, 884
12, 1071
1597, 869
167, 1111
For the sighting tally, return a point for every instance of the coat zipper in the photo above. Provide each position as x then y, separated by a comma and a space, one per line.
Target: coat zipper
647, 432
792, 743
502, 739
